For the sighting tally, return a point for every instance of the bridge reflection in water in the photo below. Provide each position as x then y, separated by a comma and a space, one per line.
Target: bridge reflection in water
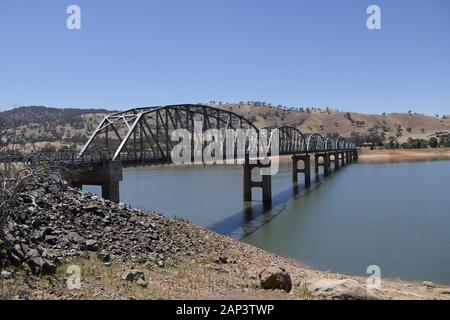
142, 136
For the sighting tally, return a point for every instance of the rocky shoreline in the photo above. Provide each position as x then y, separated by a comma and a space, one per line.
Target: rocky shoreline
126, 253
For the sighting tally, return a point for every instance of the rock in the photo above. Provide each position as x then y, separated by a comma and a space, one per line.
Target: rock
223, 260
142, 283
16, 255
74, 237
91, 245
104, 256
428, 284
133, 275
50, 239
275, 278
41, 266
32, 253
7, 274
55, 223
346, 289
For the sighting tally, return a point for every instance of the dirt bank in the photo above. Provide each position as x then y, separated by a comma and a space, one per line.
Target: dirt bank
404, 155
125, 253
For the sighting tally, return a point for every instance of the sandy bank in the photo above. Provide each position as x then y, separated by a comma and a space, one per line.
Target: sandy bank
404, 155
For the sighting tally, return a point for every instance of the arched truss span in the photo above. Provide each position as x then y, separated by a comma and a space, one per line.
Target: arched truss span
291, 140
330, 144
315, 143
146, 132
341, 143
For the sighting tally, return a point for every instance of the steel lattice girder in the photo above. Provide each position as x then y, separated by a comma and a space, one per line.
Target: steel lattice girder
149, 130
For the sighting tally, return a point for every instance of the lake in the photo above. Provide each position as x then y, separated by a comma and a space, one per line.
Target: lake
394, 215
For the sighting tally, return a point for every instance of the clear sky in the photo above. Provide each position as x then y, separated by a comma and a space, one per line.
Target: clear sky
295, 53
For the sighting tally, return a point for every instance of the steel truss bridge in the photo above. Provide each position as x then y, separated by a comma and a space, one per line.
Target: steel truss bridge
143, 136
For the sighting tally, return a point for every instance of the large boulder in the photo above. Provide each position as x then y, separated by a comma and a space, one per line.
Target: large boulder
346, 289
41, 266
91, 245
275, 278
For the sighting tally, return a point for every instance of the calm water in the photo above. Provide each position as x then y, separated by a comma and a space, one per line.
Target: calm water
396, 216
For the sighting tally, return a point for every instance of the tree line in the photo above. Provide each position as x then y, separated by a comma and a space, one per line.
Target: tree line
377, 138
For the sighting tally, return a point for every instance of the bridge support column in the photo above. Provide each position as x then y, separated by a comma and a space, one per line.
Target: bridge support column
336, 161
306, 170
265, 184
110, 191
355, 155
316, 163
325, 164
108, 175
75, 184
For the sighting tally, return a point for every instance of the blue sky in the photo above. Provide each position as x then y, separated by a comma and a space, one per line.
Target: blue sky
294, 53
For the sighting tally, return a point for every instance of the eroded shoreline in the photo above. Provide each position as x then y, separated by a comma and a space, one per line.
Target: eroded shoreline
171, 258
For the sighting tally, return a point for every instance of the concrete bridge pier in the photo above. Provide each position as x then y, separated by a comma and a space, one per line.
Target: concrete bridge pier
325, 164
306, 170
355, 155
341, 156
108, 176
336, 160
265, 184
111, 191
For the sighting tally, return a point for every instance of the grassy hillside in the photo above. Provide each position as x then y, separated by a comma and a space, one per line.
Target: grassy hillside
328, 121
54, 127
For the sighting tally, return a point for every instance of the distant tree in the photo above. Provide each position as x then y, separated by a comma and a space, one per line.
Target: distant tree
444, 140
415, 144
357, 138
433, 142
392, 143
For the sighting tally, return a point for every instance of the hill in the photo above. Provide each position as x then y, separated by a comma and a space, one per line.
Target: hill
57, 127
51, 127
328, 121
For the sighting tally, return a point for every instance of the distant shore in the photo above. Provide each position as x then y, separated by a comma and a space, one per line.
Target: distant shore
399, 155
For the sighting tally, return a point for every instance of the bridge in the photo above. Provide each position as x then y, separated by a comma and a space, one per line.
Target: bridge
144, 136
